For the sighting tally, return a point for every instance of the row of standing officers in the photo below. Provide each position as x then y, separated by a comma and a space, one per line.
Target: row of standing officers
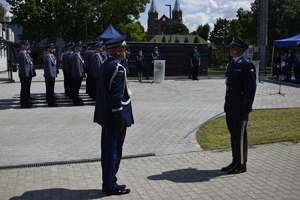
75, 68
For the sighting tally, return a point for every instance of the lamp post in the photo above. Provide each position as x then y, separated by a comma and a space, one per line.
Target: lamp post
170, 20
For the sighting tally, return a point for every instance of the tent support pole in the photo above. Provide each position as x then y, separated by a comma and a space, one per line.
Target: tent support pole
272, 60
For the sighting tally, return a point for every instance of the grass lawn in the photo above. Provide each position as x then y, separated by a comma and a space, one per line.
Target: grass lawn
264, 126
221, 72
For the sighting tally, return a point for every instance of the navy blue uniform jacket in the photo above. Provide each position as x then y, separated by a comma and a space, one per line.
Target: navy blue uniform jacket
113, 95
240, 86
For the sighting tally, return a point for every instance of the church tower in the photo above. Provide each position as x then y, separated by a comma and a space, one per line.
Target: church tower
157, 25
177, 12
152, 20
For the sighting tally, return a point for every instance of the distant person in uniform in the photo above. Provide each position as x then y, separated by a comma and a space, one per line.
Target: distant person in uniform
277, 66
77, 73
195, 59
156, 55
288, 66
50, 73
296, 67
114, 113
125, 62
25, 73
140, 63
67, 69
240, 92
96, 63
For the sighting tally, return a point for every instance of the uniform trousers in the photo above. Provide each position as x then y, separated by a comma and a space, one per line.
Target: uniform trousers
89, 78
195, 70
111, 154
25, 90
76, 84
69, 87
65, 82
297, 73
50, 82
288, 73
234, 125
94, 88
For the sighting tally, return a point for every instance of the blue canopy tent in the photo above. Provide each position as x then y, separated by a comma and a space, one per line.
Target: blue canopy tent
108, 34
287, 42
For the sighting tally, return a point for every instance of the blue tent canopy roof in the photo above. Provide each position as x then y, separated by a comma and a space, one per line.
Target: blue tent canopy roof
108, 34
288, 42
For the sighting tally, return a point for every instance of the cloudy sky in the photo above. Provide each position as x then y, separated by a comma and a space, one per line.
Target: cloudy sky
199, 12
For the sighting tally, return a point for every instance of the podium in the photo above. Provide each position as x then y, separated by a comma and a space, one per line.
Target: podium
159, 71
256, 64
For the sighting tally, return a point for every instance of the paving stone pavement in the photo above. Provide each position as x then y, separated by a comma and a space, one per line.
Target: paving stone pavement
164, 114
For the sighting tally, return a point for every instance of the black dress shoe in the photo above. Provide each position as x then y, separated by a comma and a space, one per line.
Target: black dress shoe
238, 169
225, 169
116, 192
121, 186
26, 106
52, 105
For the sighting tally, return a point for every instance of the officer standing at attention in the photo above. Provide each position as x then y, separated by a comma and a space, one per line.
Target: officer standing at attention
125, 62
113, 112
50, 73
77, 73
195, 63
87, 68
96, 63
25, 74
67, 69
240, 92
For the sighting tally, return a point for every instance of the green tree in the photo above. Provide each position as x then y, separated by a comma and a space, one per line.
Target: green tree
177, 28
203, 31
74, 20
248, 20
213, 58
197, 39
177, 40
134, 31
220, 33
186, 40
164, 39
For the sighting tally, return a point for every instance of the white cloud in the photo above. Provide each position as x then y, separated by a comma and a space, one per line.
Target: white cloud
200, 12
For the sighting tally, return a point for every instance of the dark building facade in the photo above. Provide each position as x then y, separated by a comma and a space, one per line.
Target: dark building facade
157, 25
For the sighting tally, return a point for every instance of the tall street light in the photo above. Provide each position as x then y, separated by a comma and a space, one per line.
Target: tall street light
170, 20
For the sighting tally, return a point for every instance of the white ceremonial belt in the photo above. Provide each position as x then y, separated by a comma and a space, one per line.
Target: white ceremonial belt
126, 102
118, 109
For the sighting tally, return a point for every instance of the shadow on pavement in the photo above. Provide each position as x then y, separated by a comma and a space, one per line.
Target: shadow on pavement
40, 101
189, 175
60, 193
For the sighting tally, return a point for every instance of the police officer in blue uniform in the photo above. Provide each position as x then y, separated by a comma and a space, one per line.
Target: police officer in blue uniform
240, 92
77, 73
25, 73
195, 63
113, 112
50, 73
96, 63
67, 68
125, 62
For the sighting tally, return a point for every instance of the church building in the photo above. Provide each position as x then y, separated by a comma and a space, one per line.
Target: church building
156, 25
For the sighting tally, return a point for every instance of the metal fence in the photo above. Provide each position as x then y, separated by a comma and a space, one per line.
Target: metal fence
177, 56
